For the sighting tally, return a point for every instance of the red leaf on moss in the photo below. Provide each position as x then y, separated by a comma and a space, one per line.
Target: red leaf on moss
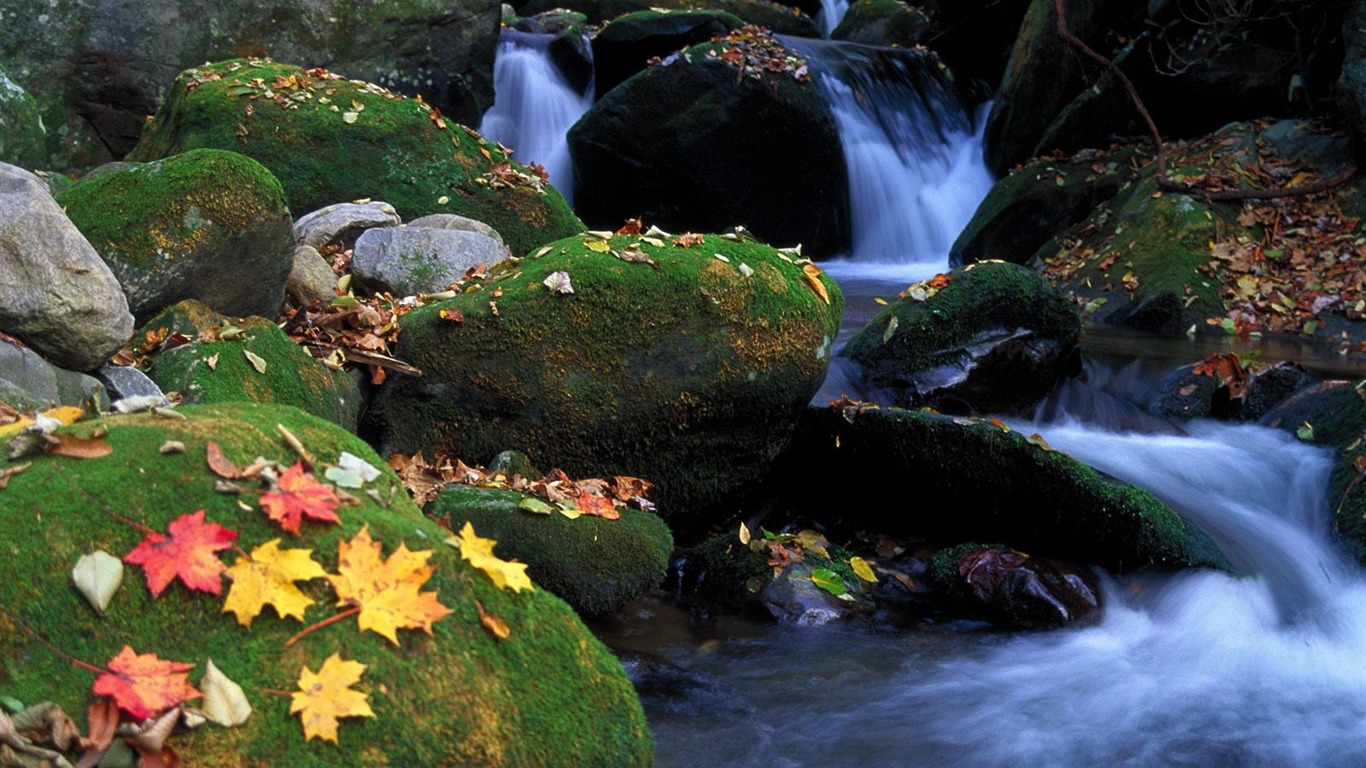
143, 685
188, 553
300, 495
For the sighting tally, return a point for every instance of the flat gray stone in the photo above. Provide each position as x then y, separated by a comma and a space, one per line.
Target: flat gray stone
124, 381
311, 279
409, 260
343, 221
453, 221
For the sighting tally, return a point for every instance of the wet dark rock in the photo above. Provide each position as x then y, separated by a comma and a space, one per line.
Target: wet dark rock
883, 22
792, 597
626, 45
1184, 394
995, 338
1016, 590
569, 49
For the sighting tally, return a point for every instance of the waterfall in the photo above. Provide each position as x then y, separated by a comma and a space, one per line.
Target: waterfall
534, 106
914, 159
831, 14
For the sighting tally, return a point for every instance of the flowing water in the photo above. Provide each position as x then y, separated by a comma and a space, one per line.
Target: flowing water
534, 106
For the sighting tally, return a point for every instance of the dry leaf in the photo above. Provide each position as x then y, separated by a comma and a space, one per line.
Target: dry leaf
143, 685
256, 360
326, 695
187, 553
495, 625
813, 276
224, 702
98, 576
74, 447
558, 281
387, 592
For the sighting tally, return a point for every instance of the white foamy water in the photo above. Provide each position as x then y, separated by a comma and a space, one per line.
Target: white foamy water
534, 106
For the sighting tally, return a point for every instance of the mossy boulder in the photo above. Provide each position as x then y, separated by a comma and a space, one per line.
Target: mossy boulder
626, 45
783, 19
994, 338
702, 145
953, 479
329, 140
549, 694
689, 371
888, 23
220, 371
1336, 412
208, 224
22, 134
594, 564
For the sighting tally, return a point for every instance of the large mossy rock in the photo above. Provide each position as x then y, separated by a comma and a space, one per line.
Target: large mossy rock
626, 45
100, 68
995, 338
783, 19
329, 140
219, 370
689, 372
208, 224
1336, 413
1350, 94
23, 138
549, 694
700, 145
594, 564
953, 479
883, 22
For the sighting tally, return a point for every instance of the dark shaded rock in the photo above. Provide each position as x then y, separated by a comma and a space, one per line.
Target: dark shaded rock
626, 45
1336, 412
208, 225
691, 374
779, 18
594, 564
1269, 387
886, 23
1016, 590
1184, 394
409, 260
57, 296
994, 339
792, 597
569, 49
343, 223
1350, 94
375, 144
101, 67
27, 382
696, 146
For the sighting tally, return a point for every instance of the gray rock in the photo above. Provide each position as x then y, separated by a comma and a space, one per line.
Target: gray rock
453, 221
345, 221
124, 381
27, 381
312, 278
56, 294
409, 260
22, 134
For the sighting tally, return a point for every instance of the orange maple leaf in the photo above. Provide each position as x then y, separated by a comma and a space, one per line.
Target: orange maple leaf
386, 593
300, 495
143, 685
593, 504
188, 553
326, 695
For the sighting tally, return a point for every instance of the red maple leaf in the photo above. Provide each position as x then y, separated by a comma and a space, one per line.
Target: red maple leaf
143, 685
187, 553
300, 495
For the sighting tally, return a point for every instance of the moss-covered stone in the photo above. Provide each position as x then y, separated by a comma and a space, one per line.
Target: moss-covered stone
952, 479
549, 694
219, 371
594, 564
994, 338
207, 224
626, 45
329, 140
22, 135
1336, 410
690, 372
782, 19
882, 22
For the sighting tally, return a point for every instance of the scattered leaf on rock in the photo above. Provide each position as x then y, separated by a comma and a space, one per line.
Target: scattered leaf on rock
98, 576
387, 592
558, 281
325, 696
495, 625
143, 685
300, 495
479, 552
813, 276
862, 569
267, 578
224, 702
187, 553
829, 581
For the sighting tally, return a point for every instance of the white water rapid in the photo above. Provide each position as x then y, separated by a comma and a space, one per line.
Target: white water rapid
831, 14
534, 106
914, 159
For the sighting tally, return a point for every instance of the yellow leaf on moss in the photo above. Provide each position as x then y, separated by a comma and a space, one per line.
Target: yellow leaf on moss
267, 577
813, 276
479, 552
386, 592
325, 696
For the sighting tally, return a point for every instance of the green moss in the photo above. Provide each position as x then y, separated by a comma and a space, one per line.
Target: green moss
641, 24
291, 375
393, 149
595, 565
548, 695
689, 373
779, 18
22, 135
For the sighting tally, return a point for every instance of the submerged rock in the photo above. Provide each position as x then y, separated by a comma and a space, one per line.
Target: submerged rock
988, 338
208, 224
1014, 589
687, 366
548, 694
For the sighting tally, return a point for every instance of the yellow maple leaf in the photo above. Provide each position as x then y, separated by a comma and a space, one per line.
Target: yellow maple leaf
479, 551
386, 593
326, 695
267, 577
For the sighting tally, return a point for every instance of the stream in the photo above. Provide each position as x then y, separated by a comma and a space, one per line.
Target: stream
1263, 667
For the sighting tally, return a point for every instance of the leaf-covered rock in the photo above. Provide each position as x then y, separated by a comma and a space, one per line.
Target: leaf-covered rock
687, 366
210, 225
329, 140
549, 694
594, 564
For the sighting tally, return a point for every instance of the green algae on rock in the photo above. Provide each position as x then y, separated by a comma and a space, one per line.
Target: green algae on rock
687, 366
550, 694
208, 224
594, 564
22, 134
222, 369
330, 140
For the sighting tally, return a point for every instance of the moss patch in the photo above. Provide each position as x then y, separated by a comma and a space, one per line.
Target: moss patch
548, 695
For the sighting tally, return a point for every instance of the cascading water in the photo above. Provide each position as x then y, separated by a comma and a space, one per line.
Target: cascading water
915, 163
534, 106
831, 14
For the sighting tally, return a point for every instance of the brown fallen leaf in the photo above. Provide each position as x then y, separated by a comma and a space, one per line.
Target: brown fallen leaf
8, 472
74, 447
813, 276
219, 463
495, 625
